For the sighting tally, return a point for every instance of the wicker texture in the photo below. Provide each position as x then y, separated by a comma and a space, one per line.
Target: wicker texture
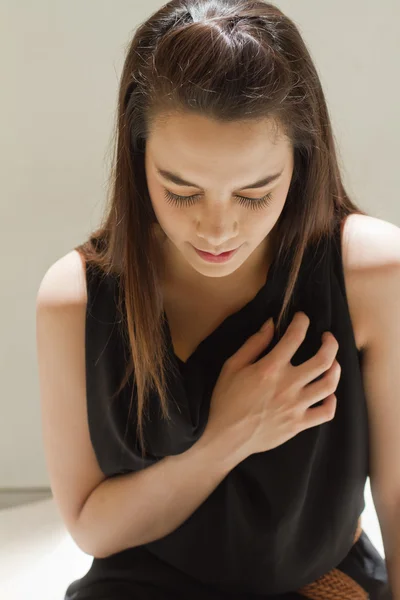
336, 585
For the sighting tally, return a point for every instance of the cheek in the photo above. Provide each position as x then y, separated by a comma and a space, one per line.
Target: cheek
255, 225
160, 206
172, 219
258, 221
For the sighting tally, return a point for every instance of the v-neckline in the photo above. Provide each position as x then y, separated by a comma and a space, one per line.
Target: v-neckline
223, 327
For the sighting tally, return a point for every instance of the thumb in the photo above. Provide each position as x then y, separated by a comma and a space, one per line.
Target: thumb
255, 344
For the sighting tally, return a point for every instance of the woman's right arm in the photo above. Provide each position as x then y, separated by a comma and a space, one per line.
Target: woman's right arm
106, 515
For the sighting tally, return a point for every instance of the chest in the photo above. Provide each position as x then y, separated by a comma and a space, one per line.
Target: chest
193, 317
188, 328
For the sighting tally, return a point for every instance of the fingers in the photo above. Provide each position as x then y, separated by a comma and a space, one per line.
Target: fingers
290, 342
252, 347
314, 392
320, 362
319, 414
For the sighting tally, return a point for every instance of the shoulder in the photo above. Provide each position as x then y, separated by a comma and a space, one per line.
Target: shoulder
63, 283
371, 257
72, 464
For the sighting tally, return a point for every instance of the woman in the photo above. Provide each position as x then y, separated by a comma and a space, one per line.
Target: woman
231, 461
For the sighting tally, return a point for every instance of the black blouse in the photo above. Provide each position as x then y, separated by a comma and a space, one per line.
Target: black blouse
280, 519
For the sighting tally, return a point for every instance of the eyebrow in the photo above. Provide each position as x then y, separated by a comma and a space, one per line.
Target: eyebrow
174, 178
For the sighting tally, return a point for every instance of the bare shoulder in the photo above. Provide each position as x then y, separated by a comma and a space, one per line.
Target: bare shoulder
64, 282
72, 465
370, 247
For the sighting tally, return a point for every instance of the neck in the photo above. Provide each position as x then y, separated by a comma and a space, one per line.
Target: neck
247, 279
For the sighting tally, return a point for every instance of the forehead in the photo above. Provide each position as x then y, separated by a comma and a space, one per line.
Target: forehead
202, 148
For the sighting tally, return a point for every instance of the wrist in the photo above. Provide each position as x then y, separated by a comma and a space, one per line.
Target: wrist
223, 450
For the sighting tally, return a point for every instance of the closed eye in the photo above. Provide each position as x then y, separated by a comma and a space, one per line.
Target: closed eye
252, 203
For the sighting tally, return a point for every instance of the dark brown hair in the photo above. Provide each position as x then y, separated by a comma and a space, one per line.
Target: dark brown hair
227, 60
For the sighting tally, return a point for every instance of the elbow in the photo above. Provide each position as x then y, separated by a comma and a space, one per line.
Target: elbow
86, 545
85, 539
91, 542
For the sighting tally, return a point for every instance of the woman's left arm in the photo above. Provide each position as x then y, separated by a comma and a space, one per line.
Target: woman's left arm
381, 377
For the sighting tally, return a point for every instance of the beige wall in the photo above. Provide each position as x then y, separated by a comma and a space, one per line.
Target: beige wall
60, 63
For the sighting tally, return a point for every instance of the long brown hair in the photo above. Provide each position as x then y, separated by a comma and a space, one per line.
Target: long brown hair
227, 60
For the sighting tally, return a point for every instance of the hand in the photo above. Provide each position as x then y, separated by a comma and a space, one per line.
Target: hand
265, 403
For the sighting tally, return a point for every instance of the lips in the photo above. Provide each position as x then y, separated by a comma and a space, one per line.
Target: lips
219, 254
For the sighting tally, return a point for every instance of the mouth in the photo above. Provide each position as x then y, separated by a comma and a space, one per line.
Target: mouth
214, 254
217, 258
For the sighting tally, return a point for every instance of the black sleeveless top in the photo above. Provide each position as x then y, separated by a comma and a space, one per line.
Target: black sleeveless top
280, 519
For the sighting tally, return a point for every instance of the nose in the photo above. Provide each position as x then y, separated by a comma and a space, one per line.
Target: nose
217, 231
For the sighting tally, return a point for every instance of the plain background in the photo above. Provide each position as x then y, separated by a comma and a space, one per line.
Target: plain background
60, 67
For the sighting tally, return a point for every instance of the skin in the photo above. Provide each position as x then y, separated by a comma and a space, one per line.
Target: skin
221, 158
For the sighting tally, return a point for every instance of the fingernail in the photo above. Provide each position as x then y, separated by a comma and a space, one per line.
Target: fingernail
267, 324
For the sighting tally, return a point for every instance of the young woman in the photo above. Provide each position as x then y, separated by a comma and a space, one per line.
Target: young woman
194, 453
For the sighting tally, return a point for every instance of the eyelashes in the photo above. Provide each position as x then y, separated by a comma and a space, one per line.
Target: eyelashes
252, 203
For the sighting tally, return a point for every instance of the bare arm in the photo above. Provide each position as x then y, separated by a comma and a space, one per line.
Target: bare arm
137, 508
105, 516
